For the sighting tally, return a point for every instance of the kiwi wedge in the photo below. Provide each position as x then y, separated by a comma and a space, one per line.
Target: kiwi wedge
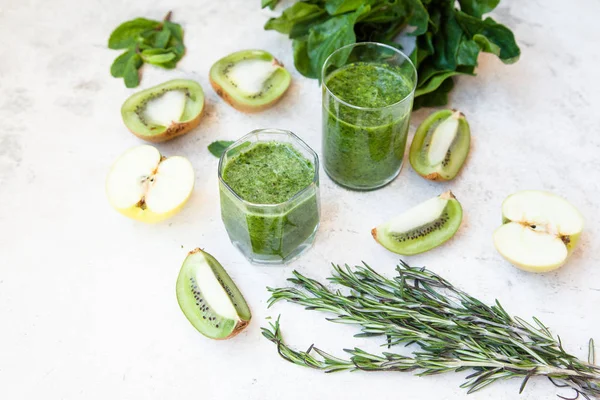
440, 146
209, 298
421, 228
165, 111
250, 80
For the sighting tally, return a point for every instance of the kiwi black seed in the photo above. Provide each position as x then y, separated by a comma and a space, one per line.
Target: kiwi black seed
416, 236
197, 307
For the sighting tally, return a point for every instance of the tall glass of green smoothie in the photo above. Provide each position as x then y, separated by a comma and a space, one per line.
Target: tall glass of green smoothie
368, 91
269, 189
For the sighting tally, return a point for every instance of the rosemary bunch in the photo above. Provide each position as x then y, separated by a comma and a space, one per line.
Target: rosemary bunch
455, 331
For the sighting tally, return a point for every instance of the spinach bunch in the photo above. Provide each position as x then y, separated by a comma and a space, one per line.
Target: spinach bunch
448, 39
155, 42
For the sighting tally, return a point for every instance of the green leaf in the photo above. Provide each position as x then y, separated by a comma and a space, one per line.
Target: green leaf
468, 51
329, 36
395, 15
336, 7
477, 8
117, 68
158, 59
447, 40
301, 58
131, 74
126, 35
162, 39
492, 37
175, 29
438, 97
269, 3
434, 82
218, 148
299, 13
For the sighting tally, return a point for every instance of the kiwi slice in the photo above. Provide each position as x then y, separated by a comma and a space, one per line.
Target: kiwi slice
421, 228
250, 80
440, 146
209, 298
165, 111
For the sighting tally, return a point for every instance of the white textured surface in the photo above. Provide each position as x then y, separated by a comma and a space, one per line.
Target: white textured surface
87, 297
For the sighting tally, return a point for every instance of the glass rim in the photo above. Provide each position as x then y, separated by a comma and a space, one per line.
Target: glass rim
302, 143
406, 58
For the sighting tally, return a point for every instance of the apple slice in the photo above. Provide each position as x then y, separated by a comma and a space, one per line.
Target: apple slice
148, 187
540, 230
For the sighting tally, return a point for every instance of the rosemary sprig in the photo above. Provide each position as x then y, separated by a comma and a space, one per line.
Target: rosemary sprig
455, 331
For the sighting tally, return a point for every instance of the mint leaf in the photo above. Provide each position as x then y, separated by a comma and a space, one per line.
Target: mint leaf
175, 30
158, 59
131, 75
218, 148
117, 69
127, 34
162, 39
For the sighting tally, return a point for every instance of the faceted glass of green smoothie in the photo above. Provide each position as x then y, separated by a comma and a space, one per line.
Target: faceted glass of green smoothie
368, 91
269, 189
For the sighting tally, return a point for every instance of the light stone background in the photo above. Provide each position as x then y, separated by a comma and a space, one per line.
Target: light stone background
87, 299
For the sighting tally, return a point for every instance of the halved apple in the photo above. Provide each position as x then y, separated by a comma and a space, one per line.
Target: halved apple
148, 187
540, 230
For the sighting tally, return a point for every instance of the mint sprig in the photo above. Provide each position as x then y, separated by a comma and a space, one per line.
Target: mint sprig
158, 43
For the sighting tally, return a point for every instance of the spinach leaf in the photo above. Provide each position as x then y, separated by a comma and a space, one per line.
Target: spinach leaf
438, 97
336, 7
477, 8
301, 58
294, 15
492, 37
434, 82
329, 36
468, 51
126, 34
448, 39
446, 42
218, 148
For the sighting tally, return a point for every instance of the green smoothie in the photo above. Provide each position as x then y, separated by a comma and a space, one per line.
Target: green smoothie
275, 219
364, 134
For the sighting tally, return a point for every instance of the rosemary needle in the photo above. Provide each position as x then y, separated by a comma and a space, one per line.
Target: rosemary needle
455, 331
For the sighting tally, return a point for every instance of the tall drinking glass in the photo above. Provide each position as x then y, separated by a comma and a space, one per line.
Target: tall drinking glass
368, 91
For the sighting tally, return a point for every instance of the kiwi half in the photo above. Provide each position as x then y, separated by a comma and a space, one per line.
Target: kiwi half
421, 228
209, 298
250, 80
440, 146
165, 111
